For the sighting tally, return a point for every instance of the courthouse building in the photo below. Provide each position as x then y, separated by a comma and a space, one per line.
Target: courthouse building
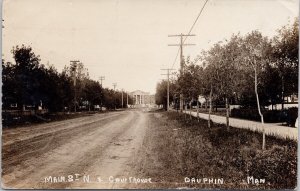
142, 99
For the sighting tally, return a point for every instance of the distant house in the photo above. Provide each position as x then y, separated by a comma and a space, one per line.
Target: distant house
289, 101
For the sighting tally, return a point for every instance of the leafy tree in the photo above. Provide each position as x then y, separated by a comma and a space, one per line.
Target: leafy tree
211, 63
285, 54
9, 91
26, 70
79, 75
256, 53
161, 93
190, 83
92, 93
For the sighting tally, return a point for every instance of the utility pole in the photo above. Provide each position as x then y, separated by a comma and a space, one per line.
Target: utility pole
168, 86
181, 44
127, 99
115, 84
74, 71
122, 98
101, 78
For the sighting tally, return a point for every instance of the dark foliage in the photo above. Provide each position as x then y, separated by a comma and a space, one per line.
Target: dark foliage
288, 116
30, 85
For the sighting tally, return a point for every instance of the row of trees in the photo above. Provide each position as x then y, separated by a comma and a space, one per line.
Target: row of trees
27, 82
250, 70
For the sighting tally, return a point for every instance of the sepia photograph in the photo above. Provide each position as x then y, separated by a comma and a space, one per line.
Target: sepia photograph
148, 94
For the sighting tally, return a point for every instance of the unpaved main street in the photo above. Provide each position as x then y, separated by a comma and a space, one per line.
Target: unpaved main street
96, 146
125, 149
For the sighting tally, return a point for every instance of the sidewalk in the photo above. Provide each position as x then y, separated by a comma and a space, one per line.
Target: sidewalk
270, 129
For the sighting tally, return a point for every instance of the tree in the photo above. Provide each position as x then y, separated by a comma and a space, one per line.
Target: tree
285, 54
256, 53
211, 63
92, 93
25, 72
161, 93
190, 83
9, 91
79, 75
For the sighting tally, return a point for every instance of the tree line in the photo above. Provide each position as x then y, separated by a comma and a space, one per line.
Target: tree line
29, 83
251, 70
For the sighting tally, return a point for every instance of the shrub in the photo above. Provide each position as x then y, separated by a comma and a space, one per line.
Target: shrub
270, 116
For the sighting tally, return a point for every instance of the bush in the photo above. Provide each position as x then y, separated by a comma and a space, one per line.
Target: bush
270, 116
292, 114
276, 164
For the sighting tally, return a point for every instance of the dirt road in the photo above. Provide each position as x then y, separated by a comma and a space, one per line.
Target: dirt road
86, 152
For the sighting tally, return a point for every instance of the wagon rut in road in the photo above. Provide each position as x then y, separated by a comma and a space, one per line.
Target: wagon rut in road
103, 149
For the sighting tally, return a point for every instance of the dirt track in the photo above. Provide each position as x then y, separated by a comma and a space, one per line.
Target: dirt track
100, 145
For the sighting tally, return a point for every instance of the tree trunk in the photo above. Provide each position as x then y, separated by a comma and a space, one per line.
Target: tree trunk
181, 102
210, 106
259, 110
185, 111
282, 93
227, 113
191, 110
216, 106
198, 110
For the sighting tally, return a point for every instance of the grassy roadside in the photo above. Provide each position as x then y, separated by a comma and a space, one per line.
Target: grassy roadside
175, 148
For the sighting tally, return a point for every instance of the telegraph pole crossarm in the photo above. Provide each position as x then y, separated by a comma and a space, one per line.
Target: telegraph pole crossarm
177, 35
101, 78
181, 44
115, 85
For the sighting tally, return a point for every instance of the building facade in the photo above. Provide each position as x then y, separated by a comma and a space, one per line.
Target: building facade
141, 98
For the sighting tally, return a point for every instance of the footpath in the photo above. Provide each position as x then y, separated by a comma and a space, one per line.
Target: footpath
270, 128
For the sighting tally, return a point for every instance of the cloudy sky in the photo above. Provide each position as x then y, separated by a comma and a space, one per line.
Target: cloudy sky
127, 40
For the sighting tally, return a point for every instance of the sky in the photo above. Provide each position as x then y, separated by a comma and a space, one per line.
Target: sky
127, 40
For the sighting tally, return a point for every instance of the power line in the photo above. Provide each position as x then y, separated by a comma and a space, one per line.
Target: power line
176, 57
196, 19
181, 44
190, 31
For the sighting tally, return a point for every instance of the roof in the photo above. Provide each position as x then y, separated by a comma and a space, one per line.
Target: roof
139, 92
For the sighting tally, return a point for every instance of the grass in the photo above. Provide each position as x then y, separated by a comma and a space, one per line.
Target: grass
175, 148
